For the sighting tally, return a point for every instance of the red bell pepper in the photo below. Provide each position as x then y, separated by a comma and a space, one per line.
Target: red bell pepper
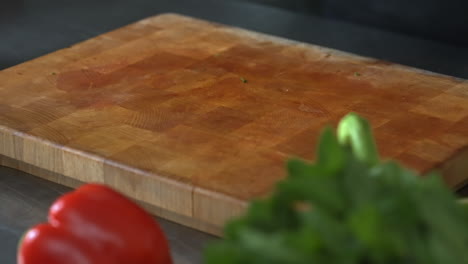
95, 225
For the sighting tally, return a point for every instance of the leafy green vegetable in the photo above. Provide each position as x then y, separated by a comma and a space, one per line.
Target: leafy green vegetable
349, 207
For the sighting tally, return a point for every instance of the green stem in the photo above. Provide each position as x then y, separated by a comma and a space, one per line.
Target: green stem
355, 132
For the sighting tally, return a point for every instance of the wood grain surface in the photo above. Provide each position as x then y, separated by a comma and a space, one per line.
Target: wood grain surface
193, 118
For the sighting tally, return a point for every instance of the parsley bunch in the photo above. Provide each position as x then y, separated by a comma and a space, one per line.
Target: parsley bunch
349, 207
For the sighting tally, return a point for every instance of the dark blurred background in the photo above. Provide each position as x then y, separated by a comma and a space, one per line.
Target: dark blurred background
441, 20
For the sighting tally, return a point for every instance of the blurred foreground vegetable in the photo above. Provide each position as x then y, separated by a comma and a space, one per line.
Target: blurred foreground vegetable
95, 225
349, 207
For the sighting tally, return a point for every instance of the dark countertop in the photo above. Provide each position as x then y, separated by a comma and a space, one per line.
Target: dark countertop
30, 28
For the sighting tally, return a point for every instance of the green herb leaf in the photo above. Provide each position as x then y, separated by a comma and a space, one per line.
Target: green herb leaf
349, 208
330, 154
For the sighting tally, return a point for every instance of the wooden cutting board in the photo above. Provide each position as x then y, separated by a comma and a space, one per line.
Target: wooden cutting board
193, 118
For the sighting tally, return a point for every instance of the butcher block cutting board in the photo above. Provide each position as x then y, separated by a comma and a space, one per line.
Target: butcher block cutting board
193, 119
